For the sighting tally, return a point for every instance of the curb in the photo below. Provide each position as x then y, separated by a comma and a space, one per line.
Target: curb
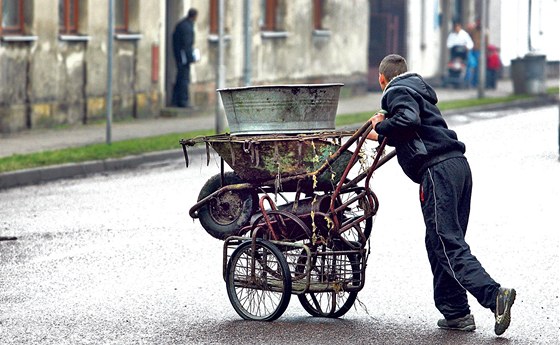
45, 174
534, 102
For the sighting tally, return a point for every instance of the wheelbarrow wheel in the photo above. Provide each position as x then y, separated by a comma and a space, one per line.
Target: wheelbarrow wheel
225, 214
258, 281
341, 270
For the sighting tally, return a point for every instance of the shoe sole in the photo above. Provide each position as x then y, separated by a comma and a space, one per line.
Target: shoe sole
469, 328
503, 321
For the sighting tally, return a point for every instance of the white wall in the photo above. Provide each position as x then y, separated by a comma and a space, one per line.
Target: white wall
423, 37
545, 28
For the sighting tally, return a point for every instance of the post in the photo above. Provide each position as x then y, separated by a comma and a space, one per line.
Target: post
220, 68
109, 100
445, 29
483, 44
529, 15
247, 67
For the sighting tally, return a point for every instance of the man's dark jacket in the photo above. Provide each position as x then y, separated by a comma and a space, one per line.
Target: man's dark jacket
415, 127
183, 41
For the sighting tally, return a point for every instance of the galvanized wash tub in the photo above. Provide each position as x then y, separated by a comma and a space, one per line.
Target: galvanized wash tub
267, 109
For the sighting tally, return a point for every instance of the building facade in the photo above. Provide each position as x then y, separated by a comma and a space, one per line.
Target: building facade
53, 61
53, 53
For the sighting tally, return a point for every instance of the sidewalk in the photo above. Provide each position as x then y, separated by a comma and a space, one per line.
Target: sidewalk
51, 139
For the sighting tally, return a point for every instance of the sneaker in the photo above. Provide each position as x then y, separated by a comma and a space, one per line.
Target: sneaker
465, 323
504, 301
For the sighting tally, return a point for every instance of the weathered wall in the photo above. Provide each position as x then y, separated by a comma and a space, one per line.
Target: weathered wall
13, 87
54, 80
340, 56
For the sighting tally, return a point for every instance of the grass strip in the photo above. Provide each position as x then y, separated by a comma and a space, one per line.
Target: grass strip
96, 151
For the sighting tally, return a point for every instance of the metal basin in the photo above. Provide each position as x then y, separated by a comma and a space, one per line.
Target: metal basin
288, 109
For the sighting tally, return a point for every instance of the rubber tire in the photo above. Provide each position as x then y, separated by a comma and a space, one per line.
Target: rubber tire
258, 294
222, 229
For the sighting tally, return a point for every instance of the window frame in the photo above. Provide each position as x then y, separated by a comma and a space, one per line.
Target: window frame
19, 28
67, 26
213, 27
318, 14
126, 16
269, 15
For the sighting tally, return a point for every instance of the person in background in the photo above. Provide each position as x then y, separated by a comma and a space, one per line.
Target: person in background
493, 66
183, 41
474, 31
459, 44
459, 41
431, 155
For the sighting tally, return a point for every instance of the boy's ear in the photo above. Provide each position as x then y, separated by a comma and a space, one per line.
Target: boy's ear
382, 81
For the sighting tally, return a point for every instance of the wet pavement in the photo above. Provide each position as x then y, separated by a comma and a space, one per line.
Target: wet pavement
115, 259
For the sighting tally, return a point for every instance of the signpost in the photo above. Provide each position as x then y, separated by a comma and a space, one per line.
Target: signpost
109, 100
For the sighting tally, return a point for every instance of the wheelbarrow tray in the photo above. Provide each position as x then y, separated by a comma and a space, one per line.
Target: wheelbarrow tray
261, 158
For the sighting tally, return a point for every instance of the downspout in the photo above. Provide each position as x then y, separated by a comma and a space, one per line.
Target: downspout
422, 25
220, 69
247, 67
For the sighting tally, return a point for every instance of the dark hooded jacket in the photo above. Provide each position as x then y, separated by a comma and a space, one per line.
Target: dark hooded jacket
415, 127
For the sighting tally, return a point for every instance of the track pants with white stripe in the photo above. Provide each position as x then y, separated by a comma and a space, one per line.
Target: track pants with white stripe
445, 196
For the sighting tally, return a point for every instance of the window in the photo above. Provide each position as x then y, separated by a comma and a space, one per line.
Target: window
318, 14
214, 21
68, 16
12, 16
122, 10
269, 9
127, 24
214, 17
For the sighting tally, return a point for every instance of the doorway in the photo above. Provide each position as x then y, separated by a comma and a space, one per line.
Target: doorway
174, 11
387, 35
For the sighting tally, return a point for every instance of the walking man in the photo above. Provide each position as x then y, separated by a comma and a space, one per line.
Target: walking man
183, 41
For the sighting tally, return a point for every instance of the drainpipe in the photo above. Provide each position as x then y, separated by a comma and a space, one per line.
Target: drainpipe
423, 26
529, 43
483, 43
247, 68
220, 69
109, 101
445, 27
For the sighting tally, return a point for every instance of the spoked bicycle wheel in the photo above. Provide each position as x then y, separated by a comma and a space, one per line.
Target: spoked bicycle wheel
258, 281
339, 271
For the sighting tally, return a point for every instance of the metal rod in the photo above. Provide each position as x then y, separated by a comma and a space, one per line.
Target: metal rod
247, 67
220, 68
483, 44
109, 100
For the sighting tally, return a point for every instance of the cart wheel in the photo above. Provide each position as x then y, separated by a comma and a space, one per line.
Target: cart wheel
258, 281
331, 304
224, 215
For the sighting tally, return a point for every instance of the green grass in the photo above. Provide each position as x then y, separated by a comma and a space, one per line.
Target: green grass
171, 141
96, 152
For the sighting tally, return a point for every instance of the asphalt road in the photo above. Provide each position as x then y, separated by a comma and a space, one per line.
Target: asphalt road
115, 258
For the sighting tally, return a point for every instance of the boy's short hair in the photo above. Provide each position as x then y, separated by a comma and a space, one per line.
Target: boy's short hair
392, 65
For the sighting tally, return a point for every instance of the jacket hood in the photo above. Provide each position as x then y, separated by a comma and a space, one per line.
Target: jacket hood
415, 82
